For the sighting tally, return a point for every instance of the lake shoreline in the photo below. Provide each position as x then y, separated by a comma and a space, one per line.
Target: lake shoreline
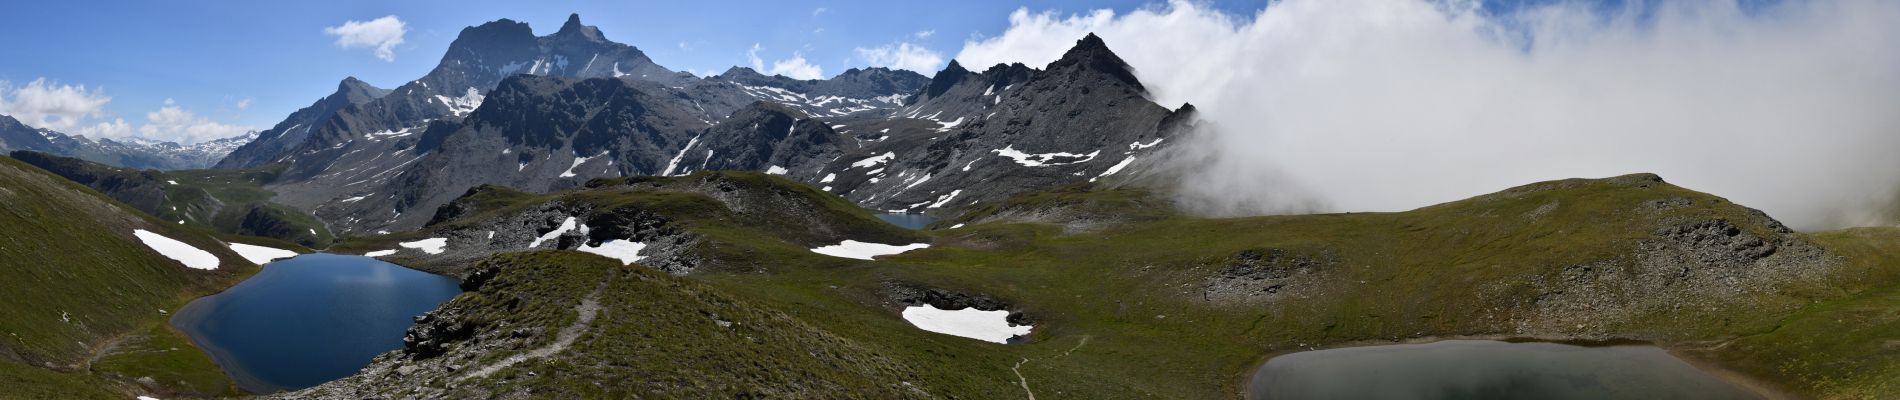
1681, 351
191, 319
225, 361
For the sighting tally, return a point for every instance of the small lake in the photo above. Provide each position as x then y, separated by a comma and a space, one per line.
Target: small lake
907, 221
1483, 369
310, 319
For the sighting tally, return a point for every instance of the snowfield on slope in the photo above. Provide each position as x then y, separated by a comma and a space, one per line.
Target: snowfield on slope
192, 257
260, 254
865, 251
625, 251
988, 326
430, 245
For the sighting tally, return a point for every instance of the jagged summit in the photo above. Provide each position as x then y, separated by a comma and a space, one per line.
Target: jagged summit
1092, 54
740, 72
573, 28
357, 88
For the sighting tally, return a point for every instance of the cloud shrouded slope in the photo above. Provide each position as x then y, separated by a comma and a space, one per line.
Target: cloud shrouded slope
1352, 105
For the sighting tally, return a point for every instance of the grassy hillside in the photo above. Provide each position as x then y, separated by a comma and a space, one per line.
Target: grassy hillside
227, 201
717, 219
559, 324
86, 302
1141, 302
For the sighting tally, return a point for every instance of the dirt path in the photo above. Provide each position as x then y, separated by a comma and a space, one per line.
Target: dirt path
1021, 379
103, 349
588, 309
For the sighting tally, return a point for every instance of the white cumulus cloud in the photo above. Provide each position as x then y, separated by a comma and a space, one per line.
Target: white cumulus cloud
796, 67
903, 55
74, 109
51, 105
1376, 105
172, 122
383, 34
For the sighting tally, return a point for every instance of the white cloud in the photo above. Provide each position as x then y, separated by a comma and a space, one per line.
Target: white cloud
1353, 105
902, 56
245, 103
116, 128
73, 109
172, 122
819, 10
46, 104
925, 34
796, 67
383, 34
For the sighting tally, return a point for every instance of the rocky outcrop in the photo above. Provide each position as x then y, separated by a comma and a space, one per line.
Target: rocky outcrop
1683, 267
902, 295
1264, 275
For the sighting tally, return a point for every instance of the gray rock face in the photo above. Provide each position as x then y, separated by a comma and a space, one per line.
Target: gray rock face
294, 129
1267, 274
886, 139
1683, 266
479, 59
970, 137
130, 153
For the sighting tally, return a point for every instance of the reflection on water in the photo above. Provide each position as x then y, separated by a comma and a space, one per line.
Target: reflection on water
908, 221
310, 319
1482, 369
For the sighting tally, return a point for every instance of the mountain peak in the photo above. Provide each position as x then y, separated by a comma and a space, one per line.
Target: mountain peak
573, 28
351, 87
1092, 54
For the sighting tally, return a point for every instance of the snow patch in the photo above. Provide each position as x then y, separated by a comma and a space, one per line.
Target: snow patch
430, 245
260, 254
1139, 145
578, 160
379, 253
670, 165
461, 106
1117, 168
874, 161
1043, 159
567, 225
988, 326
945, 199
775, 170
626, 251
192, 257
828, 178
865, 251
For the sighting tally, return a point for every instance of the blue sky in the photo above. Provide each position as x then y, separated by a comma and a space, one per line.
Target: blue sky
209, 57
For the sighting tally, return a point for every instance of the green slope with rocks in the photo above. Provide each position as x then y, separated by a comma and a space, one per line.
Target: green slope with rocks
84, 315
227, 201
1130, 299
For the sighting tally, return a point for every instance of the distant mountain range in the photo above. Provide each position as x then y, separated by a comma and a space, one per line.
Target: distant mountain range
537, 114
130, 152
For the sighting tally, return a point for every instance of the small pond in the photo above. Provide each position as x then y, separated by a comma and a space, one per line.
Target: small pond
1483, 369
310, 319
906, 220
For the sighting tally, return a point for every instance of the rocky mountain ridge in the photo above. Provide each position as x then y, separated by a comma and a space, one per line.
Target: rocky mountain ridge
530, 116
139, 153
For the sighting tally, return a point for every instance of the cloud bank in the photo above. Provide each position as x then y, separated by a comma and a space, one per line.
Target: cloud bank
1383, 105
795, 67
382, 34
73, 109
903, 55
50, 105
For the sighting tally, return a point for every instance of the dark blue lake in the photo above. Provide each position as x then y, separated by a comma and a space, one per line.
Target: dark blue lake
908, 221
1482, 369
310, 319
